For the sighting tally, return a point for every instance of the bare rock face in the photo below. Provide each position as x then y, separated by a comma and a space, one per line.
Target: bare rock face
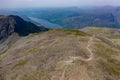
23, 28
6, 26
6, 44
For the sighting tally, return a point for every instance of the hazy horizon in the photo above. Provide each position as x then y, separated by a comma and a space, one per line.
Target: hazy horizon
54, 3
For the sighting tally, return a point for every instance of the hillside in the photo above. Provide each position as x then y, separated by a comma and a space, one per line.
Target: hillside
108, 32
111, 35
60, 55
11, 24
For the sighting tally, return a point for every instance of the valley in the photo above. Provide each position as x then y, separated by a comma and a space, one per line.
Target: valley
45, 23
76, 17
60, 44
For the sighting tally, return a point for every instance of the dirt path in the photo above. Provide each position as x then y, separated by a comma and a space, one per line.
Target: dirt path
72, 59
63, 74
88, 48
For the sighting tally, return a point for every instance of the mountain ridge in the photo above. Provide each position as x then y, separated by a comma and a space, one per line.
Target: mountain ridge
10, 24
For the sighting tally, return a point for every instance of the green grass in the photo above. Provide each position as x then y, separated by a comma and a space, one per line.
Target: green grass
33, 50
14, 77
1, 77
111, 68
83, 40
112, 65
41, 75
114, 36
0, 57
103, 49
76, 32
30, 51
20, 63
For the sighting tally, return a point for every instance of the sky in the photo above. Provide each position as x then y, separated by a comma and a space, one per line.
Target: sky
56, 3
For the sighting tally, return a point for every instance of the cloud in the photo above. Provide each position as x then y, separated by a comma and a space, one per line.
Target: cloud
50, 3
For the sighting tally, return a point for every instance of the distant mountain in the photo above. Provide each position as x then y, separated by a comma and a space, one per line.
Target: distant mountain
12, 12
11, 24
76, 18
100, 17
81, 21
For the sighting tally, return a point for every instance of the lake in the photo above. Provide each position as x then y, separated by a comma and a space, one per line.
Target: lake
45, 23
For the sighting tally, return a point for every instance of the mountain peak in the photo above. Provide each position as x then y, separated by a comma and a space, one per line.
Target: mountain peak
12, 23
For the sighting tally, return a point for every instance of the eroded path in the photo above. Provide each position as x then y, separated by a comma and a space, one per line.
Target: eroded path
63, 74
72, 59
88, 48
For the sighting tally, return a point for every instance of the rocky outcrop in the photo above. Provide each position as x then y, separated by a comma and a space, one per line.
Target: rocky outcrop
24, 28
11, 24
6, 26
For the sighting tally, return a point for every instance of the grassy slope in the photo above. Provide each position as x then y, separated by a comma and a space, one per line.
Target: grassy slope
111, 33
43, 56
